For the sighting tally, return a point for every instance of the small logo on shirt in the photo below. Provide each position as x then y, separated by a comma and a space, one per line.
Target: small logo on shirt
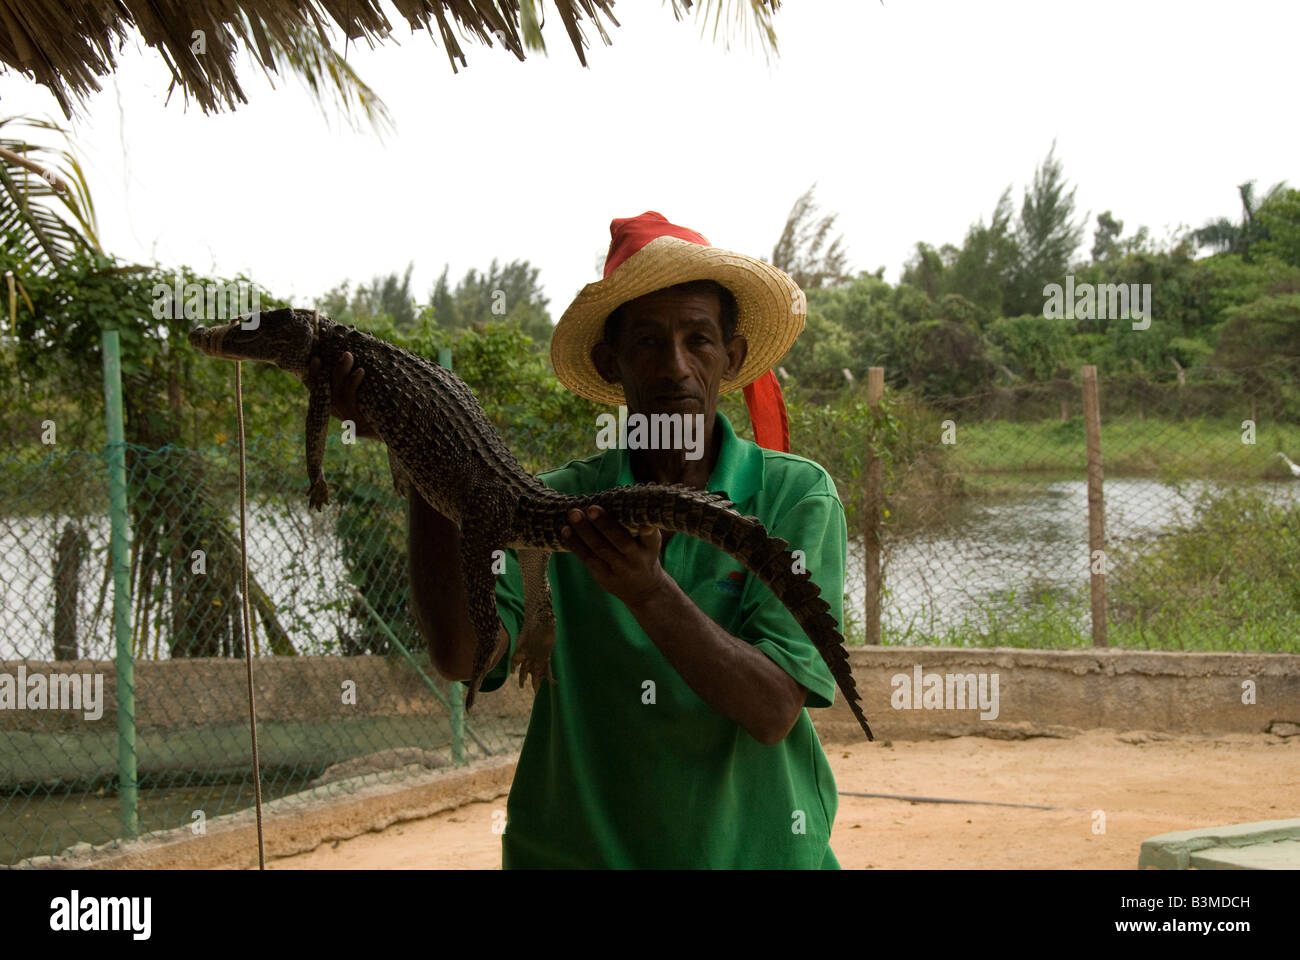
732, 584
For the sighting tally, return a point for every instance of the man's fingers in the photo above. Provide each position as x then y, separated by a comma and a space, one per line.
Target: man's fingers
594, 538
340, 371
579, 548
614, 532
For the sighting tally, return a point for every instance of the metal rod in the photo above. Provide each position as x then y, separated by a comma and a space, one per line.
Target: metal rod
987, 803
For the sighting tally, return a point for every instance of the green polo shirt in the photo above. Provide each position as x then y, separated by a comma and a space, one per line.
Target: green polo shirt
624, 766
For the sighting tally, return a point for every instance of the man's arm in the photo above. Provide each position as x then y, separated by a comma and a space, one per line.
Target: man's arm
433, 544
438, 594
729, 674
732, 676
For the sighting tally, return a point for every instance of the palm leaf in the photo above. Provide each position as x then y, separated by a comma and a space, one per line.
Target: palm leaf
308, 53
46, 214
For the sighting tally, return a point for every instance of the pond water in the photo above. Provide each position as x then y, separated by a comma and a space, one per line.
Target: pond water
988, 548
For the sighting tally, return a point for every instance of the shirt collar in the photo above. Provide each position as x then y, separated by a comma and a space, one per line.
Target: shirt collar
738, 472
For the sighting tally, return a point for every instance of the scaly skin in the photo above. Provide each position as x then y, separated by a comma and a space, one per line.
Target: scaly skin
440, 440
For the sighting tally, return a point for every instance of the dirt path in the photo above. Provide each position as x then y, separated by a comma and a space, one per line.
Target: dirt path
1143, 787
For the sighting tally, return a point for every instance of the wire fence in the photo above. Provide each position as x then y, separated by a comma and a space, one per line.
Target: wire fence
983, 534
343, 683
984, 526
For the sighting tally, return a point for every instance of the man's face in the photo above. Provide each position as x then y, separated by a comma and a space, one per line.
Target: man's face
670, 356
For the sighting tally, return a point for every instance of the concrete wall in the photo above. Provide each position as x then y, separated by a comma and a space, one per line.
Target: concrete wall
295, 824
1174, 692
1039, 693
214, 692
1042, 692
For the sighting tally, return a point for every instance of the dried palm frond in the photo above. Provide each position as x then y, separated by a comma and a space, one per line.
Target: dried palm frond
68, 45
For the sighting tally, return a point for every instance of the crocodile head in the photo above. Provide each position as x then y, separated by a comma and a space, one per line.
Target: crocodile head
282, 337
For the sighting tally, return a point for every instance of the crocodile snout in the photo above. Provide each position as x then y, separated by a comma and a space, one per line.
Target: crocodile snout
205, 339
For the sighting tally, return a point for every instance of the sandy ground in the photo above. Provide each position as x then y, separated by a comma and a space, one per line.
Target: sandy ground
1143, 784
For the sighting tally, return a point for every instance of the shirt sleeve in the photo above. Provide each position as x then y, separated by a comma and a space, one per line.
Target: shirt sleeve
510, 608
816, 526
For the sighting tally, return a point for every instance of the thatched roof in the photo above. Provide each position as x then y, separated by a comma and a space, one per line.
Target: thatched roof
67, 45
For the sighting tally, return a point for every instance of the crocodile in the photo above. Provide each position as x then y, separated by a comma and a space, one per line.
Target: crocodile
440, 441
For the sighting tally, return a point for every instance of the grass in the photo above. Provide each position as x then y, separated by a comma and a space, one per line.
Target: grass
1193, 448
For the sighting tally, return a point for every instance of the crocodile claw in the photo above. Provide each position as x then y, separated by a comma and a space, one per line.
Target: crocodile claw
533, 668
319, 494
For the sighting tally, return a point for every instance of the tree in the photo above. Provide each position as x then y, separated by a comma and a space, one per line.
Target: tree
1104, 245
1047, 236
46, 215
825, 351
1264, 330
387, 296
504, 294
926, 269
947, 359
1033, 346
1222, 234
1279, 219
983, 268
802, 250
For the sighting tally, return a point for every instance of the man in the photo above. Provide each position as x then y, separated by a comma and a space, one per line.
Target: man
675, 732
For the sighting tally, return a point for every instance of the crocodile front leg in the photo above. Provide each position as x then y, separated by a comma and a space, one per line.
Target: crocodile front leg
537, 635
401, 476
318, 423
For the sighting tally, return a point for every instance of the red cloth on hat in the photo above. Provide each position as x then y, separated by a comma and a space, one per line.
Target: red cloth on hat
630, 234
763, 397
767, 412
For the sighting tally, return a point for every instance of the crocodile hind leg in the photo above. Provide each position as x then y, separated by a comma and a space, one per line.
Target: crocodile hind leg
537, 636
318, 424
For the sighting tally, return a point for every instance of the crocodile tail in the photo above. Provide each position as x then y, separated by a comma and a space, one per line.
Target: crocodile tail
769, 558
709, 517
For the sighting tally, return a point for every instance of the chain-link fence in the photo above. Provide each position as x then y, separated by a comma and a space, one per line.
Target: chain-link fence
983, 538
337, 695
985, 535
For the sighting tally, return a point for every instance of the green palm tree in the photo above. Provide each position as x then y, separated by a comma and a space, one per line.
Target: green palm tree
46, 214
1222, 235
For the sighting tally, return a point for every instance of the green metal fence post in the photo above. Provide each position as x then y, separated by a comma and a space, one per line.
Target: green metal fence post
456, 691
127, 796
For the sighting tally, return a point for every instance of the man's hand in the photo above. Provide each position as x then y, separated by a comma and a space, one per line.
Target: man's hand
728, 673
343, 393
625, 565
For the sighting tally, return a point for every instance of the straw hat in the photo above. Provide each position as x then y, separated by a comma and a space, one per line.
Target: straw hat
647, 253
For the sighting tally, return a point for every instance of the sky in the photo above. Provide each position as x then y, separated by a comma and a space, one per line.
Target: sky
911, 116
